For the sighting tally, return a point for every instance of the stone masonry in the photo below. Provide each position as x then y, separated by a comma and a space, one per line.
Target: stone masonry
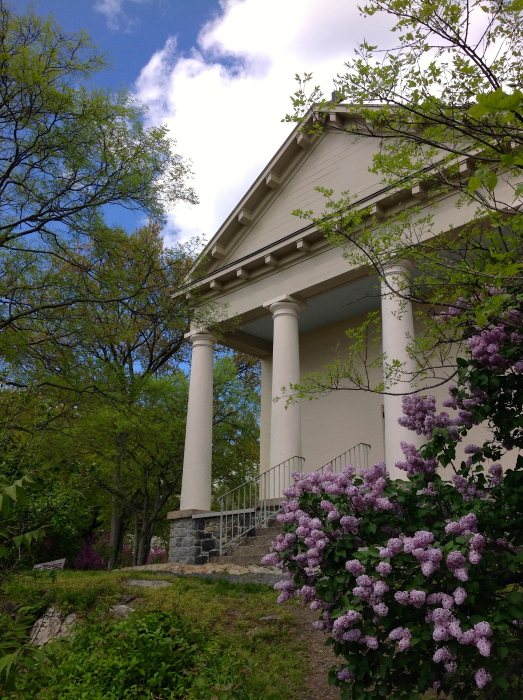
194, 539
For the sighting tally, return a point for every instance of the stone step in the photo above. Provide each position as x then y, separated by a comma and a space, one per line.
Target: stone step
259, 539
242, 560
261, 549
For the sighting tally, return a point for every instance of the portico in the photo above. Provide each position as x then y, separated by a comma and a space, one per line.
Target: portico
283, 434
295, 295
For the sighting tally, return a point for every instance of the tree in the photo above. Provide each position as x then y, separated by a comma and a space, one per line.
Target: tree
67, 151
236, 429
117, 352
446, 107
419, 582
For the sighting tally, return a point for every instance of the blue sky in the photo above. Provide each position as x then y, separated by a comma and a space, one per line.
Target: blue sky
131, 31
219, 74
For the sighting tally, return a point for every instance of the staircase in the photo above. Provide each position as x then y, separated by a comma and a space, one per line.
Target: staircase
251, 548
248, 513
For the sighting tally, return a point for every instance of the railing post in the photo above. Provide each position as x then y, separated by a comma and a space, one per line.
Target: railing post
221, 533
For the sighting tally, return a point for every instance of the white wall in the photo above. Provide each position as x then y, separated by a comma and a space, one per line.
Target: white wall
336, 422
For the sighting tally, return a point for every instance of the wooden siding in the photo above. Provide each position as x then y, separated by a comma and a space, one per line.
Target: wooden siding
337, 161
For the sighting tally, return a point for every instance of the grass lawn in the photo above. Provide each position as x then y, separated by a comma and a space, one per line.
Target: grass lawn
228, 651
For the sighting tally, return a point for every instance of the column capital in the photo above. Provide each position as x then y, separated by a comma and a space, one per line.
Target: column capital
396, 267
286, 304
201, 337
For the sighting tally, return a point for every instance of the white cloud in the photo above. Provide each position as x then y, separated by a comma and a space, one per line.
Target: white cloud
115, 14
224, 101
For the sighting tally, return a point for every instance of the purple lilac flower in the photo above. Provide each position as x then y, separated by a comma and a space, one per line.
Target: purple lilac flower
496, 471
483, 646
428, 568
414, 462
383, 568
417, 598
350, 524
467, 637
395, 545
381, 609
486, 346
355, 567
362, 592
308, 593
345, 675
420, 416
380, 588
482, 678
467, 488
370, 641
474, 557
441, 655
460, 595
422, 538
271, 559
353, 635
402, 597
482, 629
472, 449
383, 504
455, 560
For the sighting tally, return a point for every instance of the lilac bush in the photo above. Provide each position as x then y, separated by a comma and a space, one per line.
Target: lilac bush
91, 555
418, 582
157, 555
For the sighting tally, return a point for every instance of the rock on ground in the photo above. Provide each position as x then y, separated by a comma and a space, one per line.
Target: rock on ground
119, 611
145, 583
52, 625
233, 569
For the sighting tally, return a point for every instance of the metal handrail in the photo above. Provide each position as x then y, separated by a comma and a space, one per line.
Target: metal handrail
258, 498
256, 501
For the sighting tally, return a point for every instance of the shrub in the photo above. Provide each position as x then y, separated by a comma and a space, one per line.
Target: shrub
157, 555
94, 553
419, 582
148, 655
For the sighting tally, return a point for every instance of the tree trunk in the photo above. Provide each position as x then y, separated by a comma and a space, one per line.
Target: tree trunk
136, 538
116, 536
145, 541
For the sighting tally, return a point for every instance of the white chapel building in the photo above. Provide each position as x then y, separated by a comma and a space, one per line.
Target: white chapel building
293, 295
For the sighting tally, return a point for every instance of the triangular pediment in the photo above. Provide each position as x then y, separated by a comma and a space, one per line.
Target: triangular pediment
336, 161
263, 217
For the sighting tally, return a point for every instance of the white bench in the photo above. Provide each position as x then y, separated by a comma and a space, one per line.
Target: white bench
55, 565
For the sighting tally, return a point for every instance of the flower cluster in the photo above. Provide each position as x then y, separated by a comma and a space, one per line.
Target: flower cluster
420, 416
486, 347
414, 462
318, 534
424, 567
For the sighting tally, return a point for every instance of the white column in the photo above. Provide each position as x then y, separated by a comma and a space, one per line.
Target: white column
197, 462
397, 325
285, 420
265, 413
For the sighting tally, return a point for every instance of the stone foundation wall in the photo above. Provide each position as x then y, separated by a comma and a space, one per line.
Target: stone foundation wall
194, 540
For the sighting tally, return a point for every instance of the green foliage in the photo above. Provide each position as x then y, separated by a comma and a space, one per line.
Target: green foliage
143, 656
215, 624
68, 149
14, 538
15, 652
236, 451
446, 112
439, 557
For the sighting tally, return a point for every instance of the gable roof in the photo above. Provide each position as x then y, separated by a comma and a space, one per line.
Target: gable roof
261, 233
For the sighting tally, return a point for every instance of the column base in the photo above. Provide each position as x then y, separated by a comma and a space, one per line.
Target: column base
193, 540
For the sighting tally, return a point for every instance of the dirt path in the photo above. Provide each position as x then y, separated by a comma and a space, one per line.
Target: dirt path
321, 659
